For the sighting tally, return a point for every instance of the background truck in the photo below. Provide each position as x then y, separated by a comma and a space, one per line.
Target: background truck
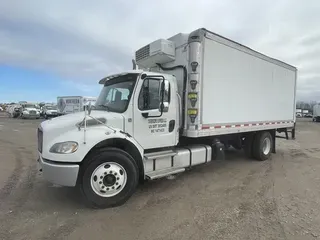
13, 110
316, 113
72, 104
193, 96
30, 110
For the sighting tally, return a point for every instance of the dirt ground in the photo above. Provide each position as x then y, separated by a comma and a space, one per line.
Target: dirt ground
232, 199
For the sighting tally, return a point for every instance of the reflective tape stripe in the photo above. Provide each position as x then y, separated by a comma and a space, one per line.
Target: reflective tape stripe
205, 127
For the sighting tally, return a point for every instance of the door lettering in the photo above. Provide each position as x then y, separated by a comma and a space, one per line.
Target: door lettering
157, 125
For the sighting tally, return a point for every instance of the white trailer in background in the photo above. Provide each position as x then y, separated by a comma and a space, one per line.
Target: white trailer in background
72, 104
298, 112
194, 95
316, 113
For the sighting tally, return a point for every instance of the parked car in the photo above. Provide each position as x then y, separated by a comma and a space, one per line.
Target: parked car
48, 111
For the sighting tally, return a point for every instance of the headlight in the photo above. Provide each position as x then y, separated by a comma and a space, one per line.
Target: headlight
64, 147
25, 112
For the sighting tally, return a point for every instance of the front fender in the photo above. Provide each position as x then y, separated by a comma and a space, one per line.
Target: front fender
93, 136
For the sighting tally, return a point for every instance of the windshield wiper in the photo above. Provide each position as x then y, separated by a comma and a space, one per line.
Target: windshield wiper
104, 106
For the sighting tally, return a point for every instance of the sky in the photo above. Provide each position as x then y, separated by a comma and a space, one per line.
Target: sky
57, 48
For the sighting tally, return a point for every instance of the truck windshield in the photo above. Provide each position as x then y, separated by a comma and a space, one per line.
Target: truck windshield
116, 93
30, 106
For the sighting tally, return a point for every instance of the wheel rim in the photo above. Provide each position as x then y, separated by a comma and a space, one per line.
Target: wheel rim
266, 146
108, 179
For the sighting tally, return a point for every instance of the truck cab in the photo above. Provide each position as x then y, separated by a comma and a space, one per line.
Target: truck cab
143, 105
136, 112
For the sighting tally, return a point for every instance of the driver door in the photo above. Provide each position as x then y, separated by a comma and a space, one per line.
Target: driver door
152, 127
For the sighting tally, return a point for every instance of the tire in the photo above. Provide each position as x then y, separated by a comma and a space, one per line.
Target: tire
45, 116
248, 145
94, 169
262, 146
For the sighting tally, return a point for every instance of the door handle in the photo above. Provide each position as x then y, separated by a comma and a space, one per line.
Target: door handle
172, 123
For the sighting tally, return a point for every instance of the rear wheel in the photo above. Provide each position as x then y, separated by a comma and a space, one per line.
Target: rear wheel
108, 178
262, 146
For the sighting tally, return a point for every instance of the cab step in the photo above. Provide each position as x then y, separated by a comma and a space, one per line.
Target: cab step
164, 172
158, 155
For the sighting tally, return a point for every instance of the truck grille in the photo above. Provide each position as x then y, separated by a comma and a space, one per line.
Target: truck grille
143, 53
40, 140
33, 112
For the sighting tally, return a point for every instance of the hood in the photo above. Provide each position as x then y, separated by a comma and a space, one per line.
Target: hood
31, 109
69, 122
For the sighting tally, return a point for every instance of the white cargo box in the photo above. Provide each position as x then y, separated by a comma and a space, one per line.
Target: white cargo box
241, 89
316, 111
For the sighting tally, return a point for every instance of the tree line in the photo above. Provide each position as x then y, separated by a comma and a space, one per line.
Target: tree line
306, 105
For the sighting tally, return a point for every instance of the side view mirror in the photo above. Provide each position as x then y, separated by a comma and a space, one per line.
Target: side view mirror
89, 108
164, 105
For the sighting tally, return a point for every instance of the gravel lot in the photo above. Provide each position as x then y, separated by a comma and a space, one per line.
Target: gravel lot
232, 199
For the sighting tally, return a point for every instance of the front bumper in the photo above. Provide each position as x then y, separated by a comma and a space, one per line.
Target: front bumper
63, 174
31, 116
52, 114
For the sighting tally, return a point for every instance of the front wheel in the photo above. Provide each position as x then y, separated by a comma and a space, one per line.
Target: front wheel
108, 178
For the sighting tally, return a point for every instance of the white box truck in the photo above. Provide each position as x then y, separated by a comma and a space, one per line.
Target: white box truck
72, 104
194, 95
316, 113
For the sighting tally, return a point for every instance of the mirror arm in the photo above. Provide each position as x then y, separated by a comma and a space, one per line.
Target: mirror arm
145, 114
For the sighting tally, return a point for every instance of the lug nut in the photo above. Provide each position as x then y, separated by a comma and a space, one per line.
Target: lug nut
118, 178
100, 182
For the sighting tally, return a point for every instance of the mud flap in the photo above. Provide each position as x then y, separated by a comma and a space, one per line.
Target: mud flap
218, 151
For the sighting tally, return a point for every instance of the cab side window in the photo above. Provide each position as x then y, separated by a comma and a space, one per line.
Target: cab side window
149, 97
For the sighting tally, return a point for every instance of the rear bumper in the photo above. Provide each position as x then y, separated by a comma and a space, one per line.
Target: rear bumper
59, 173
